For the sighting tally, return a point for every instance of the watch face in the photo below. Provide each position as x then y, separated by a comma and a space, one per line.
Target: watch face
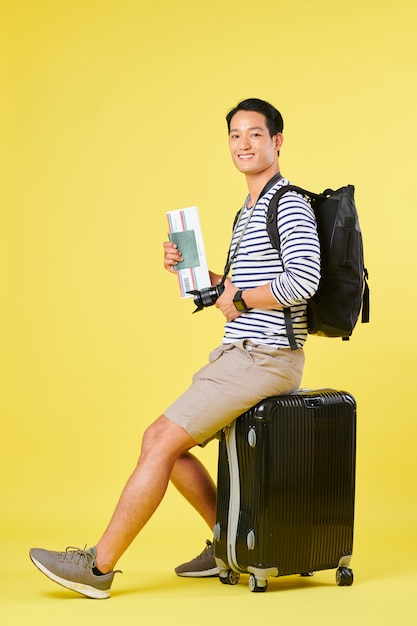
238, 302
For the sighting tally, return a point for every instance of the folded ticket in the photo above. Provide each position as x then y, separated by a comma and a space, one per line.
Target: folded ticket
184, 229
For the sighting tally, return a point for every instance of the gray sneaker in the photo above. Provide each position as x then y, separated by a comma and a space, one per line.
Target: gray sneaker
204, 565
73, 569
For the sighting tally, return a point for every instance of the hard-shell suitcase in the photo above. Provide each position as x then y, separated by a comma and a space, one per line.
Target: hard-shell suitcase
286, 488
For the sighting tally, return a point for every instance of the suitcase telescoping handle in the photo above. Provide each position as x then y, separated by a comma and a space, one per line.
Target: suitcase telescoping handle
263, 412
313, 402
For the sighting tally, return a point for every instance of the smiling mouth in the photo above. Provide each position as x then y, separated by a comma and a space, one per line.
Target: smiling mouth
245, 157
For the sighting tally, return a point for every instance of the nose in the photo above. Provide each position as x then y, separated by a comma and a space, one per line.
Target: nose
244, 143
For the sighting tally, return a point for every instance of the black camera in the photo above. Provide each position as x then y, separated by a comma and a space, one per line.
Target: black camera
207, 296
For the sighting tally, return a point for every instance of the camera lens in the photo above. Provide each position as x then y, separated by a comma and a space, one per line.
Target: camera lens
209, 296
206, 297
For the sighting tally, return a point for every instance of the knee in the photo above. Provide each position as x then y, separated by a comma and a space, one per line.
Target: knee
166, 438
152, 437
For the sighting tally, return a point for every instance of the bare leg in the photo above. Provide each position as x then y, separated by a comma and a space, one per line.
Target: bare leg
194, 482
162, 444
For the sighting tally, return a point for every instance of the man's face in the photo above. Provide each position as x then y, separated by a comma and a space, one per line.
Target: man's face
252, 148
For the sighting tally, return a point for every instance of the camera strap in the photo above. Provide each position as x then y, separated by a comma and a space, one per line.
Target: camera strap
232, 255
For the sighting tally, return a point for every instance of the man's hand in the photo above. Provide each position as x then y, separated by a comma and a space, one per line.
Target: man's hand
172, 256
225, 301
215, 279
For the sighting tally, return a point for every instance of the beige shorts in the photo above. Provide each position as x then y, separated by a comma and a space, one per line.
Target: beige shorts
237, 376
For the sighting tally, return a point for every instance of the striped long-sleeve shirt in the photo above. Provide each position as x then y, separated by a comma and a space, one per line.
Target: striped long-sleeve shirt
293, 275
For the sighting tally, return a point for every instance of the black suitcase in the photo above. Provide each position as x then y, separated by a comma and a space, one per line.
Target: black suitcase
286, 489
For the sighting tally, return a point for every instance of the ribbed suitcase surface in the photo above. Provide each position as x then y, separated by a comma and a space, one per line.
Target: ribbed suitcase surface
286, 482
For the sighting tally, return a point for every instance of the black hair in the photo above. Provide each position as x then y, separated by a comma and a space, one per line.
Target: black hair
273, 117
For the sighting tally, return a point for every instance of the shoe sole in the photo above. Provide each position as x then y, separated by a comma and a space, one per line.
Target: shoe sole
85, 590
208, 573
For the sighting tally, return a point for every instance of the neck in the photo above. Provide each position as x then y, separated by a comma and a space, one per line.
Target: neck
256, 182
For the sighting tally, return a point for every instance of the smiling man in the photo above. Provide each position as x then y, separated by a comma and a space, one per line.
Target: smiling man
253, 145
253, 361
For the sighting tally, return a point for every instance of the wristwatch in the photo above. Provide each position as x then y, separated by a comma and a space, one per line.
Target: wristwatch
239, 302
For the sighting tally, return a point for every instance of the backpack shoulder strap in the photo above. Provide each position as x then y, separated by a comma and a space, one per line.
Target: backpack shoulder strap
273, 233
271, 218
235, 221
365, 301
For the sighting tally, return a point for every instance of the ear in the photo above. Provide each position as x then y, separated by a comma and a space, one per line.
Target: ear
279, 140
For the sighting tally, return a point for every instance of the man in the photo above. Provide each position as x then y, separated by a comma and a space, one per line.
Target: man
254, 360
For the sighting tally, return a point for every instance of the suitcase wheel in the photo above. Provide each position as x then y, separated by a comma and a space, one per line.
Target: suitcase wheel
257, 586
344, 576
230, 578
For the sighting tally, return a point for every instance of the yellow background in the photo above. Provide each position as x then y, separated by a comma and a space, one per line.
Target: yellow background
112, 112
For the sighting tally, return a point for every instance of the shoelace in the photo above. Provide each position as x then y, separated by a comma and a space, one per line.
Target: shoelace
206, 549
71, 553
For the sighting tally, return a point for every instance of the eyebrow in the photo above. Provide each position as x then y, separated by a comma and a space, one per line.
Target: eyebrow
234, 130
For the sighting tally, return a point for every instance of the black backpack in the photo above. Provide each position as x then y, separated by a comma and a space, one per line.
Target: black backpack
343, 289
